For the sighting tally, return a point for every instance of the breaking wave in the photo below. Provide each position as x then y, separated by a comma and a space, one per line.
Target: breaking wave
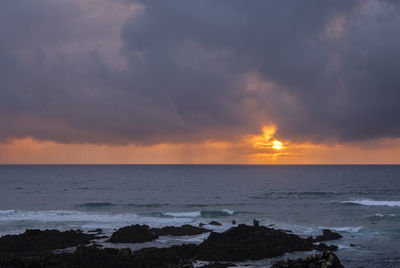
194, 214
370, 202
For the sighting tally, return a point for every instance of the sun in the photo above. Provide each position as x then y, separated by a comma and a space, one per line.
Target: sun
277, 145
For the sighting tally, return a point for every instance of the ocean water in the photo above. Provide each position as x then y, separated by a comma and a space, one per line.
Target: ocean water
360, 202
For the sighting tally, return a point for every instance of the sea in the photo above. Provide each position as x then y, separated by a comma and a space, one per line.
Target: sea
361, 202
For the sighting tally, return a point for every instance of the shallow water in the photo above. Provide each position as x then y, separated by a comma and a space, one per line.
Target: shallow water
360, 202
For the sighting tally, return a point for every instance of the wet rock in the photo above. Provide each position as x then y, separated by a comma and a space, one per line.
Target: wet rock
256, 223
133, 234
92, 257
101, 236
97, 231
185, 229
143, 233
327, 235
250, 243
179, 256
233, 222
325, 260
201, 224
214, 223
323, 246
37, 240
236, 244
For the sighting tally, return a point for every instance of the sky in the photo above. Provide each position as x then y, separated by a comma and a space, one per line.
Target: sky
213, 82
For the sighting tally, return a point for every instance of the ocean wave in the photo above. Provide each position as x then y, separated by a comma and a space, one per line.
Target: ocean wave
379, 216
195, 214
60, 215
346, 229
182, 214
152, 205
318, 193
293, 194
217, 213
107, 204
83, 219
215, 205
370, 202
96, 205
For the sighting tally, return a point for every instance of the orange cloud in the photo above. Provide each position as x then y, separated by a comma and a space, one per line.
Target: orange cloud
252, 149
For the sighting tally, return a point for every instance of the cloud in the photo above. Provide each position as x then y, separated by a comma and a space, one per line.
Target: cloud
148, 72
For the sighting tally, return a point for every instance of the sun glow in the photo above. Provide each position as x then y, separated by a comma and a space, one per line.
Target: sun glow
267, 141
277, 145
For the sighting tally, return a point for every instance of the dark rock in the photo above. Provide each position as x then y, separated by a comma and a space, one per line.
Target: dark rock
236, 244
214, 223
327, 235
97, 231
143, 233
37, 240
233, 222
325, 260
256, 223
248, 242
159, 257
310, 238
323, 246
93, 257
201, 224
101, 236
133, 234
179, 231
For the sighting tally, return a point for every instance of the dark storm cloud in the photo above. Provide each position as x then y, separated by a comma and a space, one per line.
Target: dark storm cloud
325, 70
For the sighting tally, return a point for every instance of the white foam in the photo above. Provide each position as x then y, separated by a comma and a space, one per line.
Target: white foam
346, 229
183, 214
369, 202
193, 238
380, 216
228, 211
341, 246
198, 264
87, 219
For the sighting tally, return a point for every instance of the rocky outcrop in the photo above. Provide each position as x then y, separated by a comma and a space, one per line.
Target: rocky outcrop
133, 234
250, 243
93, 257
327, 235
37, 240
236, 244
143, 233
325, 260
185, 229
178, 256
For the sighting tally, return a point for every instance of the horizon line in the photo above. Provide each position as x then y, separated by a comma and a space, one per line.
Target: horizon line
200, 164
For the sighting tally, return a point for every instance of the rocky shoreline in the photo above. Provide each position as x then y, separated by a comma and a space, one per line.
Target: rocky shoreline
35, 248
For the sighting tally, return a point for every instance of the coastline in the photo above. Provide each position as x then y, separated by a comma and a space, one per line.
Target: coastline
240, 243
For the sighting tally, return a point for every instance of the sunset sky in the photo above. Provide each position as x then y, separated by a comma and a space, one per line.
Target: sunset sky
252, 82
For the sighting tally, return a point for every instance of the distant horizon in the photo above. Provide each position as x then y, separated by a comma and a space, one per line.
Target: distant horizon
199, 164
